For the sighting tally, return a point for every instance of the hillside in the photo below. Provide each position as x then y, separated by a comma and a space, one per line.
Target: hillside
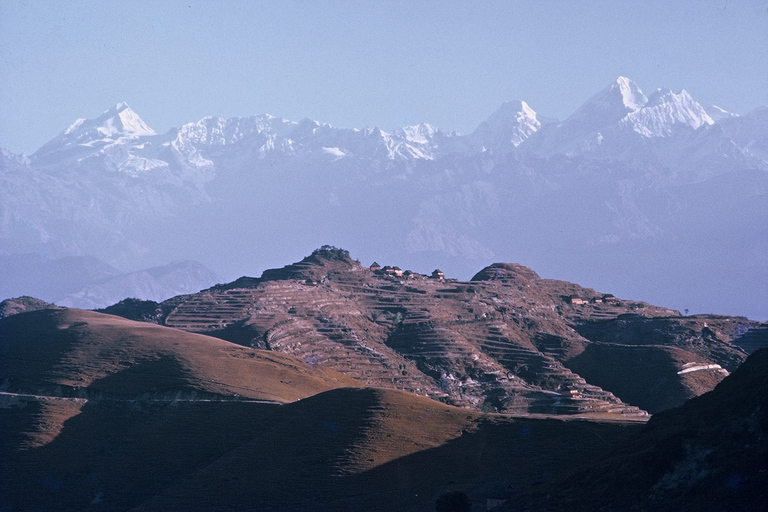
103, 413
507, 341
709, 454
98, 412
347, 449
387, 450
83, 354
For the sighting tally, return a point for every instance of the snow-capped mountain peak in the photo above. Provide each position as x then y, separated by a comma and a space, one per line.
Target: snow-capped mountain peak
118, 122
664, 112
604, 109
123, 121
512, 123
417, 134
631, 95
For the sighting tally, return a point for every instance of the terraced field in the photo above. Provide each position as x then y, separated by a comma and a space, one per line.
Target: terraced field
506, 341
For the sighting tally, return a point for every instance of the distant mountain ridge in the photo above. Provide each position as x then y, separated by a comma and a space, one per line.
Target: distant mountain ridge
87, 283
620, 107
628, 192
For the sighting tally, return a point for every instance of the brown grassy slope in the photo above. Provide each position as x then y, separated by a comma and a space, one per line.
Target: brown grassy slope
30, 422
378, 449
710, 454
75, 352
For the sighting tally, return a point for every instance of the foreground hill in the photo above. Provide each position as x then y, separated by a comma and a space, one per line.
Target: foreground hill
387, 450
102, 413
710, 454
84, 354
347, 449
505, 341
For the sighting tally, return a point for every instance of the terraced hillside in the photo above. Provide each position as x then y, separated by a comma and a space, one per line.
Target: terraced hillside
505, 341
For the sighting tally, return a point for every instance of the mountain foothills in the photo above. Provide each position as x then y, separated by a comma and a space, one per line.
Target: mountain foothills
654, 197
329, 385
506, 341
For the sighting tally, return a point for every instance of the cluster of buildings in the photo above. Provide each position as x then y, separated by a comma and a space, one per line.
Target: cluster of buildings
605, 299
407, 274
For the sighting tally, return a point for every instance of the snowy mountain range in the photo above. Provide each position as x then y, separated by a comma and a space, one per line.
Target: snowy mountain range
653, 196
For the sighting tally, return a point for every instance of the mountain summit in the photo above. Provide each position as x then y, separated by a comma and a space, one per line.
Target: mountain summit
512, 124
117, 124
608, 106
664, 112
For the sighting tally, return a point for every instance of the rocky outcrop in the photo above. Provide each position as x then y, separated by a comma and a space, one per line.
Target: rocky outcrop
17, 305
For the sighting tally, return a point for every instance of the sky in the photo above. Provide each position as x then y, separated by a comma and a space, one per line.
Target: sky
353, 64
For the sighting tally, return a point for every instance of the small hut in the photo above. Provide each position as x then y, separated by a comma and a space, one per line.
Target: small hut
570, 391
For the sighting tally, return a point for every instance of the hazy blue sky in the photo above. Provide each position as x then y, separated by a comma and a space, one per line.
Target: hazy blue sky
360, 63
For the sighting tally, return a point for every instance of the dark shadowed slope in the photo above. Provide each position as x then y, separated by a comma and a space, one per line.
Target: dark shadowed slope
710, 454
347, 449
99, 408
376, 449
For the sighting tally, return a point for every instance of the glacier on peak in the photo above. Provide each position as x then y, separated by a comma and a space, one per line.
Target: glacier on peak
608, 106
665, 111
421, 133
631, 95
512, 123
219, 131
611, 118
120, 121
114, 124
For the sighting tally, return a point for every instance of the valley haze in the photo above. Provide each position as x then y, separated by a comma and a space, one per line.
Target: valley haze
652, 197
